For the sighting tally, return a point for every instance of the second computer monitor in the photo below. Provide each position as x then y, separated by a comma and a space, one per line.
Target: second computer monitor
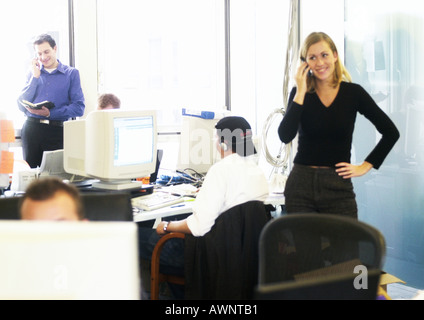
197, 145
116, 147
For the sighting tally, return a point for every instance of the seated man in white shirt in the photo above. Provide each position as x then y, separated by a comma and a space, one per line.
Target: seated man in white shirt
234, 180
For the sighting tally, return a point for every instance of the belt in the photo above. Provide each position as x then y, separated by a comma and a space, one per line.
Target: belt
56, 123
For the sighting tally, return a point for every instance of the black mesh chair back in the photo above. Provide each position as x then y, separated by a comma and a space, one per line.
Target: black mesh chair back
308, 247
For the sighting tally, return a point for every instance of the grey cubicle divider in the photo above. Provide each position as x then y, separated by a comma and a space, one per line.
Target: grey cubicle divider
98, 206
9, 208
107, 206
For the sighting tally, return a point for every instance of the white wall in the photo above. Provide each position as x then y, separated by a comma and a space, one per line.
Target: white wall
86, 50
323, 16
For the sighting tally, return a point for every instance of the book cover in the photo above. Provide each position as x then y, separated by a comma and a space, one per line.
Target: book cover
39, 105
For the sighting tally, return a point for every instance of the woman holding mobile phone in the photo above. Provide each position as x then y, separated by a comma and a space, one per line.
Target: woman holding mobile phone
322, 109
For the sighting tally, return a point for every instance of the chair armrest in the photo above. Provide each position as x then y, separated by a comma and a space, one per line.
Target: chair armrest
155, 276
158, 248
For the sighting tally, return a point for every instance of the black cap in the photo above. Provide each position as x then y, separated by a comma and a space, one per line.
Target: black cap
237, 131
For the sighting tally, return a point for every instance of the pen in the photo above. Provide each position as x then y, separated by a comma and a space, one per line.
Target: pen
177, 206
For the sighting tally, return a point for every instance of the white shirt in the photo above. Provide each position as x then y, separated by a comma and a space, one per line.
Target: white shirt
231, 181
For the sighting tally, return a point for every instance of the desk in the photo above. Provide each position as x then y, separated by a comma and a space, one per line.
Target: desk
172, 210
186, 208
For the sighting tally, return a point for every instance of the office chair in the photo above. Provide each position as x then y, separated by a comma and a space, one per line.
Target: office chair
222, 264
313, 256
157, 276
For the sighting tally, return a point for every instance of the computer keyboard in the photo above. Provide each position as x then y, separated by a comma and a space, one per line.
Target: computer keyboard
156, 200
183, 189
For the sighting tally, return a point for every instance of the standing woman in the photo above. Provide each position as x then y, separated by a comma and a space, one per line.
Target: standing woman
322, 108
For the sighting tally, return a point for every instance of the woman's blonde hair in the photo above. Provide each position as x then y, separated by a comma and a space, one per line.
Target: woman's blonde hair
340, 72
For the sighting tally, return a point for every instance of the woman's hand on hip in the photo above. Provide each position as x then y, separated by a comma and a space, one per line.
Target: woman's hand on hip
348, 170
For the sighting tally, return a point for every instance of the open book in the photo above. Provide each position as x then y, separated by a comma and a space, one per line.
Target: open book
39, 105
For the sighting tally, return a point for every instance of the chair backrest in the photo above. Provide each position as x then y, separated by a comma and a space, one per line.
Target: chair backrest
223, 264
333, 287
309, 246
107, 206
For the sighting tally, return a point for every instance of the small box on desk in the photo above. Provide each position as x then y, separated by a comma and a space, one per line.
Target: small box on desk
387, 278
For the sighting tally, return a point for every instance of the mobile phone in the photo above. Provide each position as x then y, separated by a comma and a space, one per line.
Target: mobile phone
310, 72
38, 60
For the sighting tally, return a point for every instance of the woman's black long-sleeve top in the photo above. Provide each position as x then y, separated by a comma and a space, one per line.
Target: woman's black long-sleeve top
325, 133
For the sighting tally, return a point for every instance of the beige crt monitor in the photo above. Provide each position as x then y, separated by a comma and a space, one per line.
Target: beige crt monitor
68, 261
197, 144
74, 147
114, 146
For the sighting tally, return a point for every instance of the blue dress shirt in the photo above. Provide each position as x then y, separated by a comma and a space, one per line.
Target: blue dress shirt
62, 87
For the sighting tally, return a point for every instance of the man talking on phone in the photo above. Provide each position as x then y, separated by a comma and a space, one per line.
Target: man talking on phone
54, 82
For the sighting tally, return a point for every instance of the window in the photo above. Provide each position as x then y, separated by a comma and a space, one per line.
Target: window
384, 46
20, 22
259, 37
259, 33
163, 54
170, 54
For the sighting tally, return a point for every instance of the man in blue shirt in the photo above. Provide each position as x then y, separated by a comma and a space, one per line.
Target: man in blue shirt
50, 80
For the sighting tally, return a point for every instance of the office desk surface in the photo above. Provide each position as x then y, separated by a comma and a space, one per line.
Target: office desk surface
186, 207
172, 210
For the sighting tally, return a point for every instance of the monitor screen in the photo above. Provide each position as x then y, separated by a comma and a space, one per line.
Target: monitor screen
114, 146
127, 130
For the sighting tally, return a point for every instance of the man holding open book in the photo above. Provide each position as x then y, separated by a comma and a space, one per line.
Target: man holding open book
51, 96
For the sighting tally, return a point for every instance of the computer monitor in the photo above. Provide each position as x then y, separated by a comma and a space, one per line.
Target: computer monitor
69, 261
74, 147
116, 147
197, 148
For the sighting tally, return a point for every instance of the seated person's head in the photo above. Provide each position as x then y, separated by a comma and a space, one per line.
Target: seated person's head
108, 101
51, 199
235, 136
